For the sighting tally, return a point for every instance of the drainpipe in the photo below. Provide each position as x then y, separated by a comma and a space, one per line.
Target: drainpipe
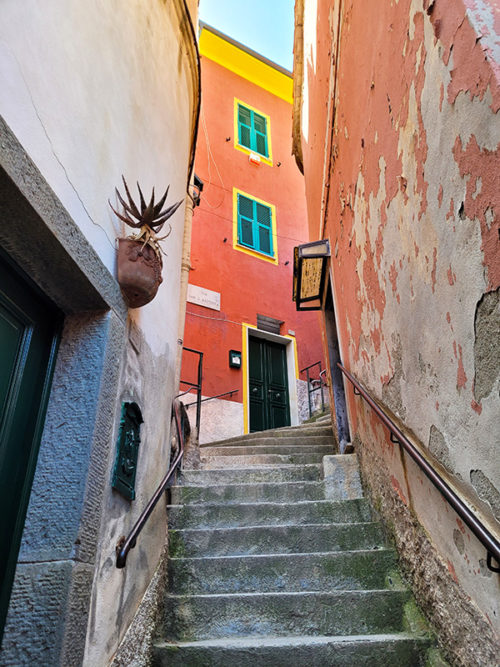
185, 267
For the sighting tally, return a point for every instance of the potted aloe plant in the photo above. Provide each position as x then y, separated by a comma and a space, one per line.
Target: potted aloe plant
139, 255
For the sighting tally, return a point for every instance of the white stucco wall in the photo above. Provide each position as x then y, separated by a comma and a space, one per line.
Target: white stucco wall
93, 90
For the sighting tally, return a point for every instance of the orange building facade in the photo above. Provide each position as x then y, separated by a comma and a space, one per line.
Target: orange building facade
252, 213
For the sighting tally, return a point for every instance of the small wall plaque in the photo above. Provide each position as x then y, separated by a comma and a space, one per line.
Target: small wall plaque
127, 450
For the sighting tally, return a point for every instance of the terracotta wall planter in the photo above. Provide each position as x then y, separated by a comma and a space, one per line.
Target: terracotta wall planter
139, 272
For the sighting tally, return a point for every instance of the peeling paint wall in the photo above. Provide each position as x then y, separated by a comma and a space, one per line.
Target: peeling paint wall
411, 205
91, 91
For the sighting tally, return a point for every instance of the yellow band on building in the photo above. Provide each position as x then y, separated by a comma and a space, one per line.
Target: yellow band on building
241, 62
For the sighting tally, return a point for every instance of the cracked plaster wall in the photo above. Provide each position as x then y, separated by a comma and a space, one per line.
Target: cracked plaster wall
92, 91
412, 212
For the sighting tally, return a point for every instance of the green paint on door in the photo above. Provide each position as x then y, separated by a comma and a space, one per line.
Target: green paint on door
29, 329
268, 377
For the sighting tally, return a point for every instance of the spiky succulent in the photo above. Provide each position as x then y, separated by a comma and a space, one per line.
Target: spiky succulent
146, 215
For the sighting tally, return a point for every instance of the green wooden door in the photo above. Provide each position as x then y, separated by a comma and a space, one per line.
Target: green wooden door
268, 379
28, 338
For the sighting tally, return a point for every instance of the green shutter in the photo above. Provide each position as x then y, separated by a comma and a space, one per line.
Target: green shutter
244, 126
254, 225
260, 133
252, 130
263, 217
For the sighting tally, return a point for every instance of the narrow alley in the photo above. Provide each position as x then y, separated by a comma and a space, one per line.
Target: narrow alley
250, 333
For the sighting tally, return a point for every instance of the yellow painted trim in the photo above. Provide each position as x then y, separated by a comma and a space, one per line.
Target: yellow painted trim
245, 65
248, 251
244, 149
295, 355
244, 362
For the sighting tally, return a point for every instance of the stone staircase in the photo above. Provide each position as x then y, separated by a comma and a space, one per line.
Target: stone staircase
274, 559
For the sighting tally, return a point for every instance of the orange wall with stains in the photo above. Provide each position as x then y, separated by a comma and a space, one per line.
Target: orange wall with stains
402, 174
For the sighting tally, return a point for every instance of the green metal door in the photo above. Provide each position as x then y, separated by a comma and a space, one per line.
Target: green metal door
268, 379
28, 338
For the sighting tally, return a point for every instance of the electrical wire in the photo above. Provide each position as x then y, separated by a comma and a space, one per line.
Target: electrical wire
217, 319
210, 156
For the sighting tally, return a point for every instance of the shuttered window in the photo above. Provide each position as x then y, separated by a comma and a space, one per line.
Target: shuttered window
252, 130
255, 225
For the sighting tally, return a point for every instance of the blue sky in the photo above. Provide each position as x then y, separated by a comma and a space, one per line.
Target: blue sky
266, 26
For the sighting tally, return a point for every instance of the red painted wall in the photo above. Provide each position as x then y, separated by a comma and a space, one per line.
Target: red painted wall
247, 285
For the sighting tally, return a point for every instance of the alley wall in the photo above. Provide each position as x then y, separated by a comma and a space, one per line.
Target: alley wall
91, 91
400, 125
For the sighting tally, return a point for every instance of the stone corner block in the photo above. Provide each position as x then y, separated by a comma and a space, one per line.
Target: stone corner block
341, 477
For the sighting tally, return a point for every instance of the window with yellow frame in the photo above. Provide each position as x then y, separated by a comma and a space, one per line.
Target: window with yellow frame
254, 226
253, 131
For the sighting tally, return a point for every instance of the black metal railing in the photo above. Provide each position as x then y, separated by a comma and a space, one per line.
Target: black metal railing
126, 543
196, 385
314, 384
210, 398
486, 538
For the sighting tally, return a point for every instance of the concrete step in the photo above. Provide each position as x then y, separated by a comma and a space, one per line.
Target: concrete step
376, 650
347, 570
275, 445
298, 432
309, 538
215, 515
289, 473
197, 617
247, 493
210, 462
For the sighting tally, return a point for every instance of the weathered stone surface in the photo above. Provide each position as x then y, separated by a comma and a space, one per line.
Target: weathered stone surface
309, 538
248, 492
486, 490
341, 477
264, 581
374, 650
35, 631
486, 344
288, 473
347, 570
284, 614
457, 621
255, 514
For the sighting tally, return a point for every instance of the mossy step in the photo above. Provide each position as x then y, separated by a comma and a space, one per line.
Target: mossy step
291, 437
241, 461
289, 473
274, 539
380, 650
196, 617
271, 446
342, 570
293, 433
219, 515
230, 493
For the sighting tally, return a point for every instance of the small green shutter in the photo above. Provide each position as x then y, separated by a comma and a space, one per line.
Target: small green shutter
263, 216
260, 129
244, 126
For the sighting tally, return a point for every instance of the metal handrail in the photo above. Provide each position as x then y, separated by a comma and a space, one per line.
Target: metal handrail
313, 389
486, 538
125, 544
209, 398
